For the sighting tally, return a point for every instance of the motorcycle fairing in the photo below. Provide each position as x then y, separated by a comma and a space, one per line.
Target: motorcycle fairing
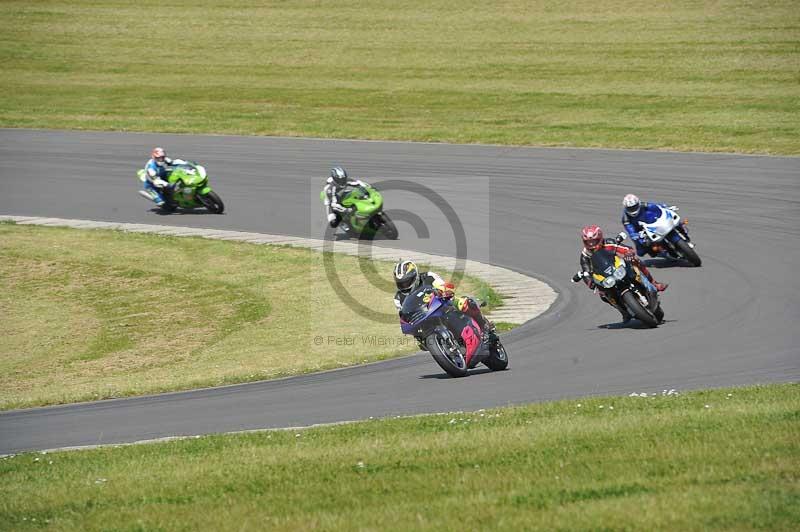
657, 230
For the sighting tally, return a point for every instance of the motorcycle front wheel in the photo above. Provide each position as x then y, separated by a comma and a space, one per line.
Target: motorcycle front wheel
688, 252
447, 354
635, 306
384, 226
212, 202
498, 358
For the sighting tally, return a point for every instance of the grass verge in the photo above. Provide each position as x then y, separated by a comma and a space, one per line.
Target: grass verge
712, 460
684, 75
99, 314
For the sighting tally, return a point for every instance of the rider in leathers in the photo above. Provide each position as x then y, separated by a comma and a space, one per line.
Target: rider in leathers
407, 279
157, 170
336, 184
636, 212
592, 238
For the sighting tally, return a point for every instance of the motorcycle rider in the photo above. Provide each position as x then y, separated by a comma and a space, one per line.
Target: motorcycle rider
636, 212
592, 238
408, 278
157, 171
335, 187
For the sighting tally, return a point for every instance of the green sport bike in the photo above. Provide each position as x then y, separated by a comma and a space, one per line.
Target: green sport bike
366, 217
189, 188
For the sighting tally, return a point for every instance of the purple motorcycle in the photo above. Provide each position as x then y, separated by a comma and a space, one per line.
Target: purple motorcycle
453, 339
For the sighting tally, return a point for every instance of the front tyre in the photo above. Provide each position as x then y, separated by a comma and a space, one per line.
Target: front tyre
386, 227
447, 355
635, 306
498, 358
688, 252
212, 202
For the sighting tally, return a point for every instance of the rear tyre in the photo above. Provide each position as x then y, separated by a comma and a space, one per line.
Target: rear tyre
635, 306
498, 358
450, 358
212, 202
688, 253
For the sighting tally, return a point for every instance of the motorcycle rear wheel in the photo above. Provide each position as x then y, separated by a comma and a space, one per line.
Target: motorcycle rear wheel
455, 366
635, 306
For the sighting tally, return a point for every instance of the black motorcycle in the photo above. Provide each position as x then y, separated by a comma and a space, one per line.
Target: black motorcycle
621, 284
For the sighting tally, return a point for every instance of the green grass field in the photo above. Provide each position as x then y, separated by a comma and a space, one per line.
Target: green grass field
713, 460
98, 314
683, 75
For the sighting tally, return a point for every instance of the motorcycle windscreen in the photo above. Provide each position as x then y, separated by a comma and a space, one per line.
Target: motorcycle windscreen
603, 262
416, 307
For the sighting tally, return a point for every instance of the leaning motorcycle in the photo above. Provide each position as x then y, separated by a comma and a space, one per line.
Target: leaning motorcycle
453, 339
366, 217
622, 284
189, 188
669, 233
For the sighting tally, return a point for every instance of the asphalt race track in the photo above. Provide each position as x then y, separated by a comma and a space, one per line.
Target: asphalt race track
733, 321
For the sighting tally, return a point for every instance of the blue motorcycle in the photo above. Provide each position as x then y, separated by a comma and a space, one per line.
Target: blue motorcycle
668, 233
453, 339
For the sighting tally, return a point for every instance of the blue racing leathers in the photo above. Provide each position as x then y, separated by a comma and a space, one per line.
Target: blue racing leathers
648, 214
154, 172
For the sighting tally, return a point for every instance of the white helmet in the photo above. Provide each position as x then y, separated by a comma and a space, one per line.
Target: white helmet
632, 205
159, 156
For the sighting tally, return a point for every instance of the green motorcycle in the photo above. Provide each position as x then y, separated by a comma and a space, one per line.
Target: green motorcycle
366, 217
189, 184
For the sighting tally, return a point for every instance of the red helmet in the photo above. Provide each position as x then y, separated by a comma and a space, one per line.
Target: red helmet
592, 237
158, 155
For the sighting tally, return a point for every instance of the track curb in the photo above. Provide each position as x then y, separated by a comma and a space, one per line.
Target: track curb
524, 297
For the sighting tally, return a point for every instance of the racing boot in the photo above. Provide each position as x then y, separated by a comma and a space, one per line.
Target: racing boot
660, 286
490, 333
151, 196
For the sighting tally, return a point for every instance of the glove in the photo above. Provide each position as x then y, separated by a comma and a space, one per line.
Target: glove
331, 217
449, 289
642, 237
160, 183
580, 275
